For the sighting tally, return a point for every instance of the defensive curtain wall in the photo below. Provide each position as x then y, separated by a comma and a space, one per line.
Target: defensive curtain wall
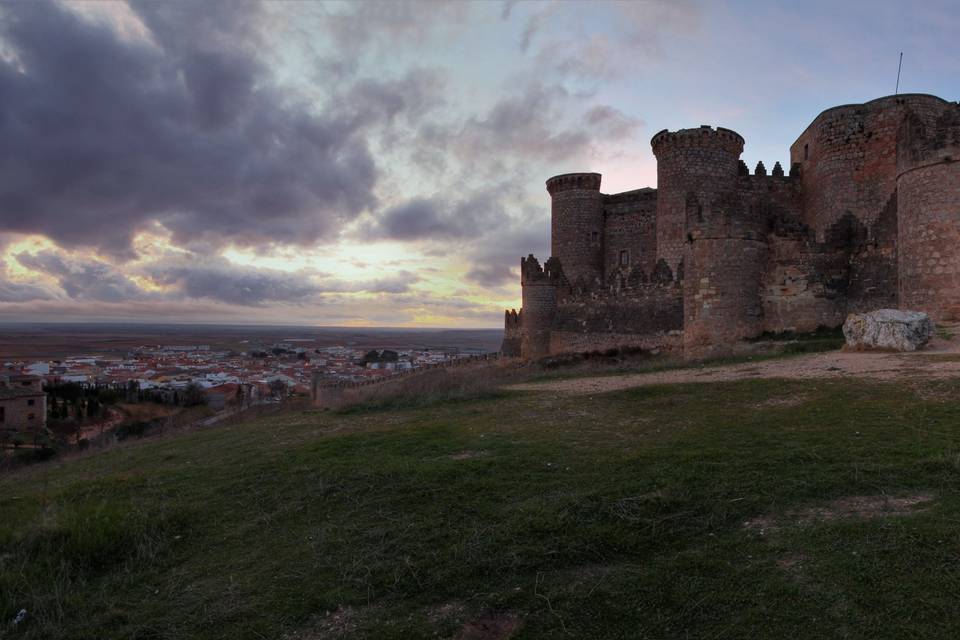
866, 217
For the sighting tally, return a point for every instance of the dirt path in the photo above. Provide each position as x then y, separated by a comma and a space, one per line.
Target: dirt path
941, 359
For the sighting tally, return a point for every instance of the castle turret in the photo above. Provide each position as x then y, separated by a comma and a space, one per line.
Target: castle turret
512, 334
539, 287
724, 260
698, 163
576, 231
847, 161
928, 209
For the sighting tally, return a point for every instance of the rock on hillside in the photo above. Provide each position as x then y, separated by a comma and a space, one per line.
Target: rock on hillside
888, 329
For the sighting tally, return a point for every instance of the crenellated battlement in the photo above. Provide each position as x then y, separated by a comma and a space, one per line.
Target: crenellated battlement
532, 273
760, 172
921, 144
574, 181
701, 137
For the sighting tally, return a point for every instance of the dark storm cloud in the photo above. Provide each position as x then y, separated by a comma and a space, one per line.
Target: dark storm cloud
415, 94
437, 219
103, 135
222, 281
187, 277
413, 220
492, 275
84, 280
19, 292
527, 125
496, 261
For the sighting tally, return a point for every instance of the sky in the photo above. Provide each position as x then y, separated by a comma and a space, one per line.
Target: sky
380, 163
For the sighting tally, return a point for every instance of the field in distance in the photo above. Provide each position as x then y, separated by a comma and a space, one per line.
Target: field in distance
45, 341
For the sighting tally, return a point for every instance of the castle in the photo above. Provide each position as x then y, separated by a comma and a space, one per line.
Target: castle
867, 217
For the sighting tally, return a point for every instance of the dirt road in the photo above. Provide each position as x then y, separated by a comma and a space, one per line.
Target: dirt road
941, 359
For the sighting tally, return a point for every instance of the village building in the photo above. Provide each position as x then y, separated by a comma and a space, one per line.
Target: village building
23, 404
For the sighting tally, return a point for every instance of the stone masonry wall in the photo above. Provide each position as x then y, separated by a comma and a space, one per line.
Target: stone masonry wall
930, 241
848, 158
928, 203
721, 297
643, 317
691, 163
18, 412
630, 226
577, 226
803, 285
512, 334
867, 217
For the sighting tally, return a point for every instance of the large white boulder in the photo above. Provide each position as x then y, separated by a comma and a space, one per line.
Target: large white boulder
889, 329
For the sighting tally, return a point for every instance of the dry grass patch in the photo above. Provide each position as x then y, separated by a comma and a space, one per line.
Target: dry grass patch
785, 401
468, 455
846, 508
336, 624
492, 626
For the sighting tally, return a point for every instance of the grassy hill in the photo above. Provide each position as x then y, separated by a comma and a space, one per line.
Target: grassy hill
757, 508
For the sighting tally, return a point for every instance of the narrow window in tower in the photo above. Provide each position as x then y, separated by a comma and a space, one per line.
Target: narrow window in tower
806, 151
594, 236
624, 258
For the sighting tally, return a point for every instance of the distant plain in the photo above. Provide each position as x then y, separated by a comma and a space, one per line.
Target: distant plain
43, 341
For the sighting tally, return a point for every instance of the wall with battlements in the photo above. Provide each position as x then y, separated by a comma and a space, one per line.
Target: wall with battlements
867, 216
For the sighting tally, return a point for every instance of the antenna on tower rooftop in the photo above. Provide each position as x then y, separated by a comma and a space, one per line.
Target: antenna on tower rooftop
899, 66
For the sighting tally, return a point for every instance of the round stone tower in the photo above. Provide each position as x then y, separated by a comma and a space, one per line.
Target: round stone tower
928, 213
692, 164
724, 259
576, 229
539, 290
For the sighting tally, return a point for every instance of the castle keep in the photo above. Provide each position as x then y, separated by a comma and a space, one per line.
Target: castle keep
867, 217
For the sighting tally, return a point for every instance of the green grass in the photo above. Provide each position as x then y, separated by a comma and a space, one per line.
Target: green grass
944, 333
610, 516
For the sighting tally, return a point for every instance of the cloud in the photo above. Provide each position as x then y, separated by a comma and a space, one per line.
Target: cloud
397, 283
414, 95
525, 124
495, 262
597, 41
434, 218
390, 24
104, 135
87, 280
22, 291
219, 280
609, 123
185, 276
492, 275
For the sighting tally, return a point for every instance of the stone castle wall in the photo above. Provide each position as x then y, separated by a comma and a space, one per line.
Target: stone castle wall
866, 217
848, 157
630, 233
928, 203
